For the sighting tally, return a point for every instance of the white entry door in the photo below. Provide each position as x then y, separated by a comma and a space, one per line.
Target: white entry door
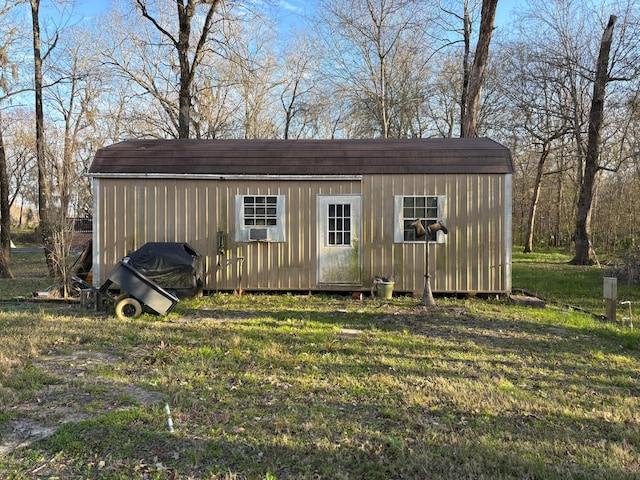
339, 233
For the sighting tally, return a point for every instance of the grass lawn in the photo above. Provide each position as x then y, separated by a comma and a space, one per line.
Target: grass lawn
548, 275
326, 387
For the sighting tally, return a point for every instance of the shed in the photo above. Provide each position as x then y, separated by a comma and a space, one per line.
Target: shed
311, 215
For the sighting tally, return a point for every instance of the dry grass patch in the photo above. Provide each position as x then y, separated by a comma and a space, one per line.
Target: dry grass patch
294, 387
271, 387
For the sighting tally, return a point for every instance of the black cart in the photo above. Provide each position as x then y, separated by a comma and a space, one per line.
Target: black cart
137, 291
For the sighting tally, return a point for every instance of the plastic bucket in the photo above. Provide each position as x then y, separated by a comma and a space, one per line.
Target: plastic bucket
384, 289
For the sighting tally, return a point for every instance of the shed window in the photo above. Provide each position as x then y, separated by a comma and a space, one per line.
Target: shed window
426, 208
260, 210
259, 218
339, 219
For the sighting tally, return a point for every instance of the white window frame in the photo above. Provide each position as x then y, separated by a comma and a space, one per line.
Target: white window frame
398, 221
260, 233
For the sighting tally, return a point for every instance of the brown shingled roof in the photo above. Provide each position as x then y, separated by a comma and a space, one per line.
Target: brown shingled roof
303, 157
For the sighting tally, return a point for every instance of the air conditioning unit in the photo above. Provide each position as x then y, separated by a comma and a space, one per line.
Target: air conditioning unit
258, 234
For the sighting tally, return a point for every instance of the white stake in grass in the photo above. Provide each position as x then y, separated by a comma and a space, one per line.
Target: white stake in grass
169, 420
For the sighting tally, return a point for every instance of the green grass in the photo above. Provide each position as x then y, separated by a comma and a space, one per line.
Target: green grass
297, 387
549, 275
30, 272
25, 237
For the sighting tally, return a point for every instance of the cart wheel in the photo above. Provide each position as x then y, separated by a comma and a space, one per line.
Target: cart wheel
128, 308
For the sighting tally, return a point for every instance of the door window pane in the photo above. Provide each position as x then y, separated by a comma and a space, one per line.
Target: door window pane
339, 224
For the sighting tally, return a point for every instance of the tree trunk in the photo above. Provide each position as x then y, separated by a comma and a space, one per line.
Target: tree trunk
544, 155
557, 221
43, 185
528, 247
583, 250
466, 19
185, 12
188, 58
5, 216
476, 77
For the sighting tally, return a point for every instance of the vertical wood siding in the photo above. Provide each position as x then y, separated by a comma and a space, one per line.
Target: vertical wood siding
474, 257
134, 212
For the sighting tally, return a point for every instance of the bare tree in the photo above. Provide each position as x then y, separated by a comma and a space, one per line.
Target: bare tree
546, 150
476, 75
254, 69
369, 43
535, 89
46, 227
213, 106
442, 105
549, 80
297, 81
189, 55
17, 130
466, 71
583, 251
461, 26
54, 227
73, 98
5, 215
7, 71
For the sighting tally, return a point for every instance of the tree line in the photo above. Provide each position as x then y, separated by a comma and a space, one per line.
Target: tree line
558, 84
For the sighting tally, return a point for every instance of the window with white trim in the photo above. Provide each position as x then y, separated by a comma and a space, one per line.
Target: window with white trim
428, 209
260, 218
260, 210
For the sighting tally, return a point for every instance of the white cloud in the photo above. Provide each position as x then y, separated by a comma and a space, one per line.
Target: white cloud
291, 6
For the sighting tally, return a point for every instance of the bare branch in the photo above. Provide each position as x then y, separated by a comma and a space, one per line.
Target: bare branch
145, 13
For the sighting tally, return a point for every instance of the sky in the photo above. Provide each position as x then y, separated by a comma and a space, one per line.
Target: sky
289, 8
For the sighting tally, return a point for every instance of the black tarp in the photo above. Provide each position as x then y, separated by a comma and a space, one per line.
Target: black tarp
172, 265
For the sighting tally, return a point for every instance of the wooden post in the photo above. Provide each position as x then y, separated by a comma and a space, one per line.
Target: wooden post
610, 294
